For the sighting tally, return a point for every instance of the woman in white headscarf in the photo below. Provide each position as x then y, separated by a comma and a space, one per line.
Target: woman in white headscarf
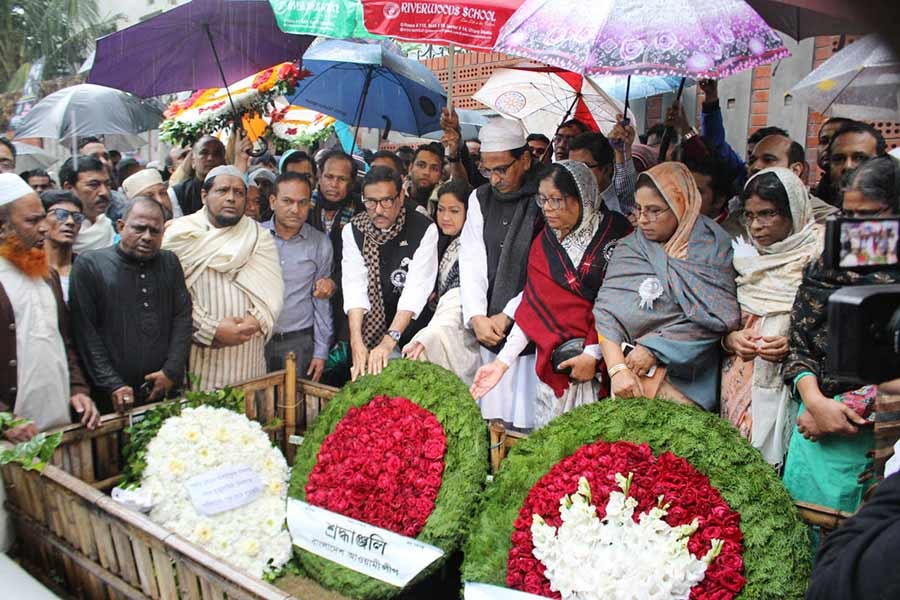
566, 266
783, 239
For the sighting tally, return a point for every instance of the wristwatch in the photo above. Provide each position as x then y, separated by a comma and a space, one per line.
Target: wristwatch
394, 335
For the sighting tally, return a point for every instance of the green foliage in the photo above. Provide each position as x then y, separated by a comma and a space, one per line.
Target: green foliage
62, 31
34, 454
776, 547
140, 433
465, 464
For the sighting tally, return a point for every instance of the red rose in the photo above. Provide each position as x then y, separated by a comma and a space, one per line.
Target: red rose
433, 449
711, 533
533, 583
730, 561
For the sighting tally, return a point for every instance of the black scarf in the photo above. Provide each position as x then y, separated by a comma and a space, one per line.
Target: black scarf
510, 261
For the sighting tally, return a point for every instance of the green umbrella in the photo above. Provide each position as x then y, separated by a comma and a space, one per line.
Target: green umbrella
340, 19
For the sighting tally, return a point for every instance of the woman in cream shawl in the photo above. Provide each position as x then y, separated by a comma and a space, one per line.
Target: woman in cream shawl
784, 238
669, 293
445, 341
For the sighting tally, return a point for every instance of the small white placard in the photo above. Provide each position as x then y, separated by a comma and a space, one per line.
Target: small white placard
484, 591
223, 489
364, 548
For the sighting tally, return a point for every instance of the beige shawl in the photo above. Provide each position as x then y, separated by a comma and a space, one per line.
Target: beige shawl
766, 286
245, 252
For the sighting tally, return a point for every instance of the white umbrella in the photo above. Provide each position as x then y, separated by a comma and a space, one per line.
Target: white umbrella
543, 97
862, 82
29, 157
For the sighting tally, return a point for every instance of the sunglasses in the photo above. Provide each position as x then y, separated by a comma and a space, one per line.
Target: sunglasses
62, 215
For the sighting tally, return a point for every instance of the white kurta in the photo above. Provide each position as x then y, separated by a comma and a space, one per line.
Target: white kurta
93, 236
512, 399
42, 368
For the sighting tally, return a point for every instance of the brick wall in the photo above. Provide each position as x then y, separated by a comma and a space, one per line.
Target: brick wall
470, 71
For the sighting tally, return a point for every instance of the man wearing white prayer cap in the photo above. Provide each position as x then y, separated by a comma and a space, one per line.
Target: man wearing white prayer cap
39, 375
502, 219
233, 273
149, 182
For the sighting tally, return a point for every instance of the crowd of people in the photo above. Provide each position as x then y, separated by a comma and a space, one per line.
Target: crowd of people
545, 273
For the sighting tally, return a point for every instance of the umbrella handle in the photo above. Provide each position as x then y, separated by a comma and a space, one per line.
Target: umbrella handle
260, 147
669, 132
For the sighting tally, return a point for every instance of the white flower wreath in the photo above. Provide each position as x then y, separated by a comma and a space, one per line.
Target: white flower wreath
252, 537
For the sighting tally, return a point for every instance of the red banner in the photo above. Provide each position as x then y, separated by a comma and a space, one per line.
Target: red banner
472, 24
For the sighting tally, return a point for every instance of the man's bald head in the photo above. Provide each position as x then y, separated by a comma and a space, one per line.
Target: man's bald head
778, 151
208, 153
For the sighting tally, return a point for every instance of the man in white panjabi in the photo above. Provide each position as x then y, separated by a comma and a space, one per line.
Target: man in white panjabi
232, 271
501, 221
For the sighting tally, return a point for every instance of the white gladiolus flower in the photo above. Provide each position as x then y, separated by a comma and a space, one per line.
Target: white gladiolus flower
204, 439
617, 558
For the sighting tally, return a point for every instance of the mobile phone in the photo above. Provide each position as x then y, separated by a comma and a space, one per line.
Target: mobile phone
626, 350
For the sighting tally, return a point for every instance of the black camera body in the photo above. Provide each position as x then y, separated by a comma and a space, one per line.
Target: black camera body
864, 321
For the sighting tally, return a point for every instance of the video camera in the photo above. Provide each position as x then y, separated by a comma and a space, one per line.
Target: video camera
864, 321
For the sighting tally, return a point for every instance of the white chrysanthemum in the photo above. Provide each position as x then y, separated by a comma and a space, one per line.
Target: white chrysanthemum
616, 558
202, 439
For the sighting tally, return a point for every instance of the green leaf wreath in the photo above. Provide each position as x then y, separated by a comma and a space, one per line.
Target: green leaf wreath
465, 464
776, 545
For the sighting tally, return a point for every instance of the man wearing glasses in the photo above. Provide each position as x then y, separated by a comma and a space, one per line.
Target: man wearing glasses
564, 135
64, 219
7, 156
502, 220
389, 269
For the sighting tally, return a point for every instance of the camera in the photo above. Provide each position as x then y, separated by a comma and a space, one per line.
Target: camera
864, 321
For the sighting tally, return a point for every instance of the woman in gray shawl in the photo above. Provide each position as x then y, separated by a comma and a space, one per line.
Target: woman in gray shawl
669, 295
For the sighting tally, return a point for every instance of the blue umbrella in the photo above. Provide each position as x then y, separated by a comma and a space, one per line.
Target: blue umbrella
641, 86
369, 85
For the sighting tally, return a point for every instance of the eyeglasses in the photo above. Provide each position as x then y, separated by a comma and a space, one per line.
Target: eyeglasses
545, 202
651, 212
499, 171
764, 217
865, 214
371, 203
62, 215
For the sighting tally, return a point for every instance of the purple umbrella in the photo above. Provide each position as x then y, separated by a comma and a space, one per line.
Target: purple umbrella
703, 39
199, 44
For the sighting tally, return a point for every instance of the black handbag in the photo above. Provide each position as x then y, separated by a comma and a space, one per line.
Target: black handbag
565, 351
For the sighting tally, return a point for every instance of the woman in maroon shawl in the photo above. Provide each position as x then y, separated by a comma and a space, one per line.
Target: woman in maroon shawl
566, 265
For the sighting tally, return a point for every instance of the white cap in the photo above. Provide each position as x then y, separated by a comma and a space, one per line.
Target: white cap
140, 181
500, 135
225, 170
13, 187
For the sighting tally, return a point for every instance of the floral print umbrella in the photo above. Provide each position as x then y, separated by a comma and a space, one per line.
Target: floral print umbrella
688, 38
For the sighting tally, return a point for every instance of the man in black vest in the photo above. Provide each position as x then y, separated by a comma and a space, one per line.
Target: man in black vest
502, 220
388, 271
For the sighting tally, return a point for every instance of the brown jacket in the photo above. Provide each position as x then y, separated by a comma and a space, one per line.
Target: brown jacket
8, 371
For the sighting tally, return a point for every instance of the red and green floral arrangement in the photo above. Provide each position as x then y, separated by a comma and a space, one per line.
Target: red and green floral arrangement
405, 450
684, 473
